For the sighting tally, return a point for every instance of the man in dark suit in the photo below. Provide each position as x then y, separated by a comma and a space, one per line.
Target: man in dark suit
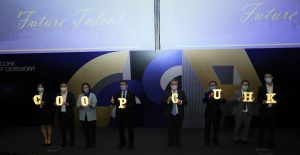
174, 112
213, 113
65, 114
268, 111
124, 113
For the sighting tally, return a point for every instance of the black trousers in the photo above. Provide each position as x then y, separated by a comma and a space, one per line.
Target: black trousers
268, 121
124, 121
66, 122
174, 128
89, 131
209, 122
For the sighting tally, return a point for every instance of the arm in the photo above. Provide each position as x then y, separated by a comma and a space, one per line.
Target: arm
94, 101
236, 97
223, 100
78, 101
165, 97
46, 99
71, 101
206, 97
183, 98
131, 101
259, 95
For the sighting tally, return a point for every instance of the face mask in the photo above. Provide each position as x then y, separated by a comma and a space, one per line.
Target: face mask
212, 87
40, 89
244, 87
86, 90
63, 89
268, 80
123, 88
174, 87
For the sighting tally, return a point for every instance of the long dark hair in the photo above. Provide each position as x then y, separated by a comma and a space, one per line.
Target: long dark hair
85, 83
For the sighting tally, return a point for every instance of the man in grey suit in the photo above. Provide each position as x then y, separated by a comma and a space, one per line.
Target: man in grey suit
242, 112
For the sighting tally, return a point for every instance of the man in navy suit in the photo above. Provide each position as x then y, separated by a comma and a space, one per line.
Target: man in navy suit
124, 113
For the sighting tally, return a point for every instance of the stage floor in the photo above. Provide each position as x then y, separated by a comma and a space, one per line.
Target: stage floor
28, 141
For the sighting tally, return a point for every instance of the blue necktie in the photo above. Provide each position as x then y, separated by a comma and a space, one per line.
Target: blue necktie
174, 109
123, 94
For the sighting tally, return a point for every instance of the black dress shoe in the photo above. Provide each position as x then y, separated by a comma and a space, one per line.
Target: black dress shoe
207, 143
236, 141
120, 146
178, 145
245, 142
63, 144
273, 146
170, 144
130, 146
217, 143
260, 145
71, 143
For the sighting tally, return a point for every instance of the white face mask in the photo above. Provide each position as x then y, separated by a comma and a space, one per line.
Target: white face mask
268, 80
63, 89
244, 88
40, 89
174, 87
123, 87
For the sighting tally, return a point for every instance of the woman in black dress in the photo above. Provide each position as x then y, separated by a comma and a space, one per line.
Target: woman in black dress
45, 113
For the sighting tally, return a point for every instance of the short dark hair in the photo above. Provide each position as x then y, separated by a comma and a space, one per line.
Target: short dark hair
212, 81
41, 83
268, 73
245, 81
174, 80
124, 82
85, 83
63, 82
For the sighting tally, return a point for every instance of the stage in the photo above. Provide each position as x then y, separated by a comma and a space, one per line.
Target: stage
28, 141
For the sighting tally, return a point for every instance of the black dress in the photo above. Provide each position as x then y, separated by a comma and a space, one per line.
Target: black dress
45, 112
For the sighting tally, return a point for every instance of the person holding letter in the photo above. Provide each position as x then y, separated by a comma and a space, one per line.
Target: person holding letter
45, 112
87, 104
174, 101
268, 100
65, 113
242, 111
125, 102
213, 112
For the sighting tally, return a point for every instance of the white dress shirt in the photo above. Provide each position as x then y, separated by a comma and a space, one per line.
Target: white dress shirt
63, 107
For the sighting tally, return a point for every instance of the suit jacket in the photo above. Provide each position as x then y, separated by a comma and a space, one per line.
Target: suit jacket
129, 109
238, 105
168, 107
69, 108
213, 106
261, 96
89, 111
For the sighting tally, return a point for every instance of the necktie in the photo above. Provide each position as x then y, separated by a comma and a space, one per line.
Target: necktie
174, 109
244, 106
